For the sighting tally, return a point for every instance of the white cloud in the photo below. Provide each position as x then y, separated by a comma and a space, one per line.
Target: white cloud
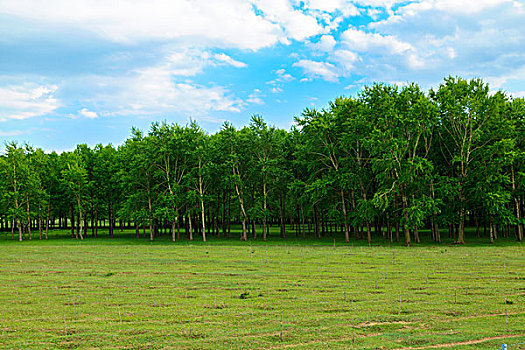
255, 97
276, 90
159, 92
453, 6
283, 76
347, 8
373, 13
228, 60
218, 23
346, 60
296, 24
12, 133
451, 52
27, 101
379, 3
164, 88
324, 70
87, 113
192, 61
374, 43
415, 62
325, 43
471, 38
244, 24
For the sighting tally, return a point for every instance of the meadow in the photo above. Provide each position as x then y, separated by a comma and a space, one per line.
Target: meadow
225, 294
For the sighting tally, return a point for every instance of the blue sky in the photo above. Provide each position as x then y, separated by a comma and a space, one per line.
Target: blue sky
86, 71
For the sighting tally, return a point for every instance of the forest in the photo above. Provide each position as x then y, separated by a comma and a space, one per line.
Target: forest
391, 164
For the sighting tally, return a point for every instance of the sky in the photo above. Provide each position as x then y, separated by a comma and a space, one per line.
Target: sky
87, 71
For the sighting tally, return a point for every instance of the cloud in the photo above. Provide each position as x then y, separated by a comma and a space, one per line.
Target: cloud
13, 133
218, 23
346, 60
452, 6
324, 70
87, 113
27, 101
296, 24
326, 43
379, 3
347, 8
228, 60
283, 76
255, 97
471, 38
161, 89
244, 24
374, 43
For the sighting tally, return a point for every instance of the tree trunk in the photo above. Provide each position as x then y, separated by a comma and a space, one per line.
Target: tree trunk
20, 233
40, 223
491, 231
79, 224
462, 212
368, 232
389, 228
302, 220
203, 220
28, 220
281, 211
265, 207
47, 219
190, 228
96, 221
72, 220
179, 218
416, 235
405, 227
345, 216
150, 218
317, 233
80, 218
228, 228
436, 231
244, 236
110, 215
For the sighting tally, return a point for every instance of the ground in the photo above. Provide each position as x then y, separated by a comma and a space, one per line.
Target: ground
225, 294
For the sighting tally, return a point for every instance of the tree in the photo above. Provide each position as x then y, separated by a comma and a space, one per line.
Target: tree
399, 145
137, 175
75, 179
16, 172
464, 113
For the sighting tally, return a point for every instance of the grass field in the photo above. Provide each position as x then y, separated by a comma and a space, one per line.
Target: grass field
224, 294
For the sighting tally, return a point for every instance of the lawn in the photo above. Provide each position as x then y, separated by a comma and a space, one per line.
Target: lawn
225, 294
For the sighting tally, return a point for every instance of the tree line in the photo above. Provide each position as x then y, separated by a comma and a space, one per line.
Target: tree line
387, 163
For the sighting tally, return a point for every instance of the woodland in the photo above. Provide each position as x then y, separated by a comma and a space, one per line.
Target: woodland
390, 164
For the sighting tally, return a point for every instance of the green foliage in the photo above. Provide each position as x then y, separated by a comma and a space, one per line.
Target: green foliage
391, 156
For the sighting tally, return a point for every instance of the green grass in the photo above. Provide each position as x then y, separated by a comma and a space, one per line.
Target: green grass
226, 294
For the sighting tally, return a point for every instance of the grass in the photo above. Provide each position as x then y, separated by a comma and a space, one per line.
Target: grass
225, 294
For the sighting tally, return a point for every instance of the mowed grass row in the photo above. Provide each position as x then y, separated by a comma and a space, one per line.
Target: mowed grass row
226, 295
